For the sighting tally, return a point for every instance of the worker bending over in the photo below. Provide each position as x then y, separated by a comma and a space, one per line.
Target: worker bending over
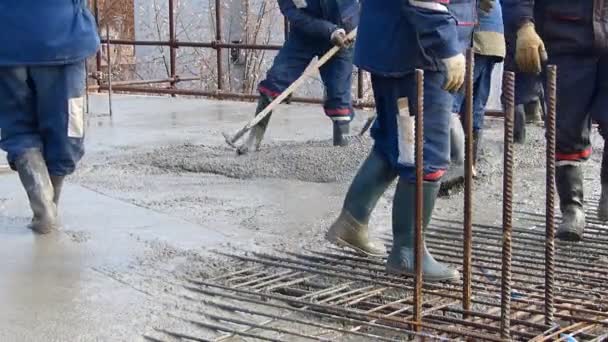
315, 27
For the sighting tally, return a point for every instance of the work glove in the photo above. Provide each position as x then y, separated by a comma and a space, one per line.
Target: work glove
455, 70
339, 38
487, 5
530, 50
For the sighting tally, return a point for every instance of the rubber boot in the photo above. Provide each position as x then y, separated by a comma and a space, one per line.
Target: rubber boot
57, 182
477, 136
602, 209
254, 139
533, 112
351, 228
519, 129
341, 130
36, 181
401, 259
569, 181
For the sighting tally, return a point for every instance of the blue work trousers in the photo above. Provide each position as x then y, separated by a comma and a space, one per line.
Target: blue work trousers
292, 60
582, 95
43, 107
482, 82
387, 129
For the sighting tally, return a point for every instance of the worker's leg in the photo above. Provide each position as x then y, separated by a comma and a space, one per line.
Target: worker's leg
599, 112
337, 77
22, 139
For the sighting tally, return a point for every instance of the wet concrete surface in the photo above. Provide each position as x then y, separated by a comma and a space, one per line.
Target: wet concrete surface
159, 192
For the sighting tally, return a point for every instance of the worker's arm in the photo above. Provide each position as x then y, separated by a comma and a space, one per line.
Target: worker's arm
306, 23
518, 12
437, 33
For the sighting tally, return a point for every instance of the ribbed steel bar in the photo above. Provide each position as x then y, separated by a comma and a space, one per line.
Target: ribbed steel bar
418, 218
218, 39
109, 59
507, 205
551, 90
468, 185
172, 47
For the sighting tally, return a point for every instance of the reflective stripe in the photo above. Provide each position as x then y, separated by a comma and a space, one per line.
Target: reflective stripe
76, 117
430, 5
435, 176
578, 156
568, 162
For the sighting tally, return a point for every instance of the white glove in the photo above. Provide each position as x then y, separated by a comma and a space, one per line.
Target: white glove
338, 38
455, 70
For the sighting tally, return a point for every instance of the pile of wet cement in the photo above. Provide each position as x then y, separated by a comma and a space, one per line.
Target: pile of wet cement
312, 161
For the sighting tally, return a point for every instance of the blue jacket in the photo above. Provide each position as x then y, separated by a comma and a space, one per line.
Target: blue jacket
566, 26
396, 37
489, 38
320, 18
46, 32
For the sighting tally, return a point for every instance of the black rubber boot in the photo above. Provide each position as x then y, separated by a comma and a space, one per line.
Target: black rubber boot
341, 130
401, 259
36, 181
533, 112
602, 209
569, 181
351, 228
254, 139
519, 129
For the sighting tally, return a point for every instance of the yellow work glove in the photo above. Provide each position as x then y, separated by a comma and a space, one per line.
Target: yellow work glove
530, 50
455, 70
487, 5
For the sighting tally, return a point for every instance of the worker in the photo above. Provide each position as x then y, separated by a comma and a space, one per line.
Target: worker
395, 38
315, 27
572, 35
43, 48
489, 48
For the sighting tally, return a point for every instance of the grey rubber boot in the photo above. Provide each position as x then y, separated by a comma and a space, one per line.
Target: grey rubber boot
57, 182
351, 228
35, 178
401, 259
457, 141
254, 139
341, 130
602, 209
519, 129
477, 137
569, 181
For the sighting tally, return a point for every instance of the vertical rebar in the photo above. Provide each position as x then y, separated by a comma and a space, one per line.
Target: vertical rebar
109, 57
550, 204
98, 54
468, 184
507, 204
172, 47
86, 86
218, 39
419, 196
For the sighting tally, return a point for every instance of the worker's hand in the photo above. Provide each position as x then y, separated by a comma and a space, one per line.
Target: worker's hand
339, 38
455, 70
487, 5
530, 50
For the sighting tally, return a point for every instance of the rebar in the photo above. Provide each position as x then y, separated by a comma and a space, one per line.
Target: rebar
418, 217
468, 184
507, 204
218, 39
109, 58
172, 47
550, 199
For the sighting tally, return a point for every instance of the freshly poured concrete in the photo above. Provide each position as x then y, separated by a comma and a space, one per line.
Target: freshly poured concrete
158, 192
67, 286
